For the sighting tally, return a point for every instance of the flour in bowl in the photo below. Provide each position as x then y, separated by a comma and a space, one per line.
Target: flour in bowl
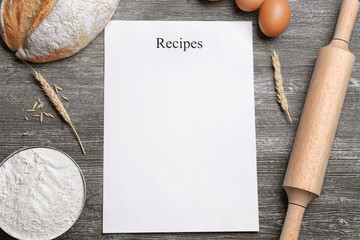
42, 194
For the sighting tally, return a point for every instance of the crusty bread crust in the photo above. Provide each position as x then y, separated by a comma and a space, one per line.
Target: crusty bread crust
48, 30
44, 11
20, 18
2, 31
69, 28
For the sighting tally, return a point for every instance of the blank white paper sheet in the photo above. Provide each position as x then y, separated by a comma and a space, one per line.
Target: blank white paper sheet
179, 141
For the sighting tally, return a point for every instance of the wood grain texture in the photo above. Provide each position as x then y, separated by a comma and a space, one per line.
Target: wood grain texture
335, 215
346, 20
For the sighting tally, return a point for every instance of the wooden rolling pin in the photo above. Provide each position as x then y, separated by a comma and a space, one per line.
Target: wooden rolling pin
319, 120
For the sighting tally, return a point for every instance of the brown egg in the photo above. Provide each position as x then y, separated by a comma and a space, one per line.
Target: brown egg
274, 17
249, 5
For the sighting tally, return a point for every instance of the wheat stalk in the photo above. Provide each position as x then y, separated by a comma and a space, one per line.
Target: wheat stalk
280, 93
50, 93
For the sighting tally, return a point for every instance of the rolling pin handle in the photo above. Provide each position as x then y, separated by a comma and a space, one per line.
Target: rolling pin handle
292, 222
298, 201
346, 20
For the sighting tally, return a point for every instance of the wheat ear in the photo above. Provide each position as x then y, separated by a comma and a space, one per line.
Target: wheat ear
54, 99
280, 93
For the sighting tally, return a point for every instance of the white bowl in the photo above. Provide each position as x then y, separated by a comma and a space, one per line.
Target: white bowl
16, 234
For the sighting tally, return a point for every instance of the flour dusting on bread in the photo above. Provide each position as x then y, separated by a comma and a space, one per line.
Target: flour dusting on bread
19, 18
65, 30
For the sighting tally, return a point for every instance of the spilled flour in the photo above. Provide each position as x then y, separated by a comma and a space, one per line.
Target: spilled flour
41, 194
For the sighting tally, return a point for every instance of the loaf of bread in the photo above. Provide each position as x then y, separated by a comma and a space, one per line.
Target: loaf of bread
47, 30
20, 18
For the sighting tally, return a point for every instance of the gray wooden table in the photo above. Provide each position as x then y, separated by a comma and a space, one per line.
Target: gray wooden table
335, 215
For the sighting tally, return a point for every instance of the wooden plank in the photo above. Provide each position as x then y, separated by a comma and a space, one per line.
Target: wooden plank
335, 215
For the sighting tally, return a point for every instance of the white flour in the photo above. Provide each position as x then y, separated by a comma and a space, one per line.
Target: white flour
41, 194
68, 28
